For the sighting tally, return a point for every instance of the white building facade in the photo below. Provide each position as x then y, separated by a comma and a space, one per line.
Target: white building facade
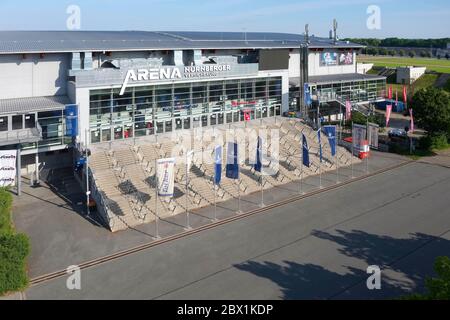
60, 90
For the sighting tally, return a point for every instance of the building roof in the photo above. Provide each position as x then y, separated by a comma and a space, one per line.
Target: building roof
343, 77
70, 41
23, 105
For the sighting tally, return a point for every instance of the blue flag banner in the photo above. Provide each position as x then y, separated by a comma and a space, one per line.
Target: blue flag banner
71, 115
232, 169
217, 164
320, 145
305, 156
258, 164
330, 131
308, 99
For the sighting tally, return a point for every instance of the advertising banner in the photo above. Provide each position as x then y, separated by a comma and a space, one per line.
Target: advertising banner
329, 59
8, 161
346, 58
308, 99
333, 58
388, 114
258, 164
305, 148
372, 135
217, 164
348, 110
330, 131
232, 167
165, 173
71, 115
359, 134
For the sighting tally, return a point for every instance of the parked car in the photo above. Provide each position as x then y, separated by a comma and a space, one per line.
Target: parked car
397, 133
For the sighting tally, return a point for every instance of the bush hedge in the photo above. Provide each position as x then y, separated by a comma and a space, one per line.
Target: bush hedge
14, 249
5, 212
434, 142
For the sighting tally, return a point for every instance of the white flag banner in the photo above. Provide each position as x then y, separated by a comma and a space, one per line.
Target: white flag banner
359, 135
165, 173
189, 160
372, 135
8, 161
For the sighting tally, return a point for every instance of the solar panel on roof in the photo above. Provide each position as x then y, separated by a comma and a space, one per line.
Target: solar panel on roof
67, 41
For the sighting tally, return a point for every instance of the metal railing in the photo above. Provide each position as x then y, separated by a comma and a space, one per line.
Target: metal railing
22, 135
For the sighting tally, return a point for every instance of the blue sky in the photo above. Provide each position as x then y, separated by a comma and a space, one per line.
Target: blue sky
401, 18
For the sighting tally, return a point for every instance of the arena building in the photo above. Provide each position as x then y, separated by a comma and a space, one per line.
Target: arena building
60, 90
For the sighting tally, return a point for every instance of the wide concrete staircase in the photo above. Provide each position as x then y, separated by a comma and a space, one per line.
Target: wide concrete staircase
124, 175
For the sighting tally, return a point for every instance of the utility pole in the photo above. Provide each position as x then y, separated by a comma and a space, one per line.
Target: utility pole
335, 27
303, 72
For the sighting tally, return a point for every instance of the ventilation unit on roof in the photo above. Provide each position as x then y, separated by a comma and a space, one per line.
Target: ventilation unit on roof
87, 63
76, 61
178, 58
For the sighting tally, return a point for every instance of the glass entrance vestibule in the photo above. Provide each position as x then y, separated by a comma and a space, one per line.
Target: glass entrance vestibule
147, 110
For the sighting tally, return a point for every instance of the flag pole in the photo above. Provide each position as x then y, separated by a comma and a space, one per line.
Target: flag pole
320, 161
320, 173
353, 142
156, 201
238, 179
260, 155
188, 224
367, 138
215, 204
301, 171
336, 157
262, 190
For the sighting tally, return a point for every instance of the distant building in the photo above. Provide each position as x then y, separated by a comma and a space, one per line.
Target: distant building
362, 68
407, 75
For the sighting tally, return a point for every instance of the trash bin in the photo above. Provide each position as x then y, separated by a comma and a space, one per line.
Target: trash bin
365, 150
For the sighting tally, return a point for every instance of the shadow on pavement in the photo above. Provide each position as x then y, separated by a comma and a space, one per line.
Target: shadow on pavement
310, 281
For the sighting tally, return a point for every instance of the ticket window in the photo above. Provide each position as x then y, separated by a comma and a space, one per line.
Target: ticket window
3, 123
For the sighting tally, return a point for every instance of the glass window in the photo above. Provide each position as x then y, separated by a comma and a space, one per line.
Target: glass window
17, 122
182, 99
95, 135
30, 120
187, 123
199, 94
215, 91
247, 89
51, 124
3, 123
232, 90
143, 98
260, 89
164, 98
169, 126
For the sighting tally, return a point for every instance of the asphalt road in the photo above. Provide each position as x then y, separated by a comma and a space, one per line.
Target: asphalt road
315, 248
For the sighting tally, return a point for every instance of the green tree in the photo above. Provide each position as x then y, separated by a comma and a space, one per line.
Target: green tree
432, 110
401, 53
437, 288
372, 51
382, 51
411, 54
